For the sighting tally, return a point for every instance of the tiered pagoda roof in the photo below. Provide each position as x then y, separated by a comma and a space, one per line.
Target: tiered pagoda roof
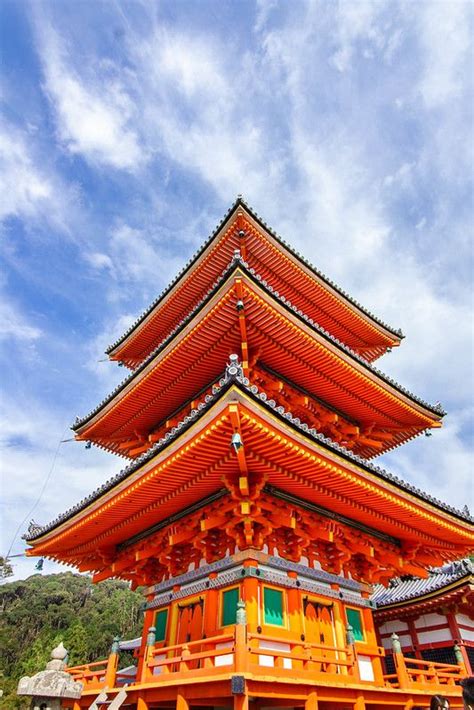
288, 272
271, 449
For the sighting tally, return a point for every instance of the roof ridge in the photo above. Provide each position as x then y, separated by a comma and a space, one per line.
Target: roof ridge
410, 589
240, 201
238, 260
234, 375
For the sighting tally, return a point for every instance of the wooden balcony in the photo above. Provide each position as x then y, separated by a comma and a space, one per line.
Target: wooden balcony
254, 665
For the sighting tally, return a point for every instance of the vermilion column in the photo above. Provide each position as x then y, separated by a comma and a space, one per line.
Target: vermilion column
457, 638
250, 597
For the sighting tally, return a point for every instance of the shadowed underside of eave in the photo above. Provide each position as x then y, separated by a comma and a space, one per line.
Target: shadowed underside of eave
193, 465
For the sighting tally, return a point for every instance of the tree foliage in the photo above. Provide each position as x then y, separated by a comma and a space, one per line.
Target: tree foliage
6, 569
39, 612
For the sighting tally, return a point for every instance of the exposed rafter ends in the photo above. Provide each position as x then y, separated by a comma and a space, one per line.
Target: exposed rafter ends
198, 458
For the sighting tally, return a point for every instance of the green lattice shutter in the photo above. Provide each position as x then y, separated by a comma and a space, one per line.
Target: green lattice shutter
273, 606
229, 606
354, 618
161, 620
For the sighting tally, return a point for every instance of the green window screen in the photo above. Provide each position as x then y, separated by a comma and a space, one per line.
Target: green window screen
273, 606
354, 618
229, 606
161, 619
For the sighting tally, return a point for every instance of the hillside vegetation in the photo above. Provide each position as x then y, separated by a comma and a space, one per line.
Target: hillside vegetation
39, 612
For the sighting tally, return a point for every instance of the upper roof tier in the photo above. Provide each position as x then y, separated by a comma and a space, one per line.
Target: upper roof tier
284, 269
278, 336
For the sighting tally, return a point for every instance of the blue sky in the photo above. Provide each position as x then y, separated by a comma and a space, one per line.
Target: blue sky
127, 130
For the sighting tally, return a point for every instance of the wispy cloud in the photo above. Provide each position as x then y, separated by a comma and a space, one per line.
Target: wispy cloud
445, 35
26, 190
14, 325
94, 113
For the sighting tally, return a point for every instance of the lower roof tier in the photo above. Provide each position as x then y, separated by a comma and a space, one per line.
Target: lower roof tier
238, 444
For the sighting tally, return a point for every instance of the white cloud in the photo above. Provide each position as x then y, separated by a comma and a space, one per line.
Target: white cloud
94, 113
25, 189
356, 21
14, 325
191, 109
140, 258
440, 465
99, 261
445, 37
31, 188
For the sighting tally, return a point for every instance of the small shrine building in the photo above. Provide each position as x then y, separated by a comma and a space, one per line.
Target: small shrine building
431, 616
250, 508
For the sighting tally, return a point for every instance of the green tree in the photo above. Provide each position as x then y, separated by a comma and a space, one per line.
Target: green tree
6, 569
41, 611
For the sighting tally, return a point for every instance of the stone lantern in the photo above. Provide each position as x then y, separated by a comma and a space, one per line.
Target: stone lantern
48, 687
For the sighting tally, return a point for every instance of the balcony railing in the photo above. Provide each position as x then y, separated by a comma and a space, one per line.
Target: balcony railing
241, 652
417, 673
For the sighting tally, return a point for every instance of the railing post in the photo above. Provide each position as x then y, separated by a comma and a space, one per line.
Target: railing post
399, 661
240, 658
460, 661
112, 663
351, 653
148, 655
185, 653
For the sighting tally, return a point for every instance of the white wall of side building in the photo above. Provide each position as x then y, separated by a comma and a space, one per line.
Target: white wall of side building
398, 627
435, 635
466, 627
428, 620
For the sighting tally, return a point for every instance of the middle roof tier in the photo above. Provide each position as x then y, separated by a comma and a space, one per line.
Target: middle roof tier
298, 363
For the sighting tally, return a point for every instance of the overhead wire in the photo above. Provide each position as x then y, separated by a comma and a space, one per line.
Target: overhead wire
38, 499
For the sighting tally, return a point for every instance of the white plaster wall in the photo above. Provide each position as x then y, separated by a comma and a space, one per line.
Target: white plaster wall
464, 620
433, 636
269, 661
366, 669
395, 626
430, 620
467, 634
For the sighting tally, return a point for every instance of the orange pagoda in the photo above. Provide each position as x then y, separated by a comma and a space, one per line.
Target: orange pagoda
250, 508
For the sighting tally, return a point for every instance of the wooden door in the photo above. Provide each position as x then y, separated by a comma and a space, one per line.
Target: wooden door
318, 623
190, 626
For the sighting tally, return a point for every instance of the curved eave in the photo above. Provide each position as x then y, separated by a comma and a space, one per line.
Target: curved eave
461, 586
264, 292
389, 336
375, 483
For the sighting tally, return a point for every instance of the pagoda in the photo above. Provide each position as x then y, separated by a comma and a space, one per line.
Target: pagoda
250, 509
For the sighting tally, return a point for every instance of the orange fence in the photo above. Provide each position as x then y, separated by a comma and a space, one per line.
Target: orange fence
242, 652
416, 673
92, 675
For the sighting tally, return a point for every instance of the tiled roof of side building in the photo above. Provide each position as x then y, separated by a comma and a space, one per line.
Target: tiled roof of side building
238, 261
240, 201
404, 589
234, 376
